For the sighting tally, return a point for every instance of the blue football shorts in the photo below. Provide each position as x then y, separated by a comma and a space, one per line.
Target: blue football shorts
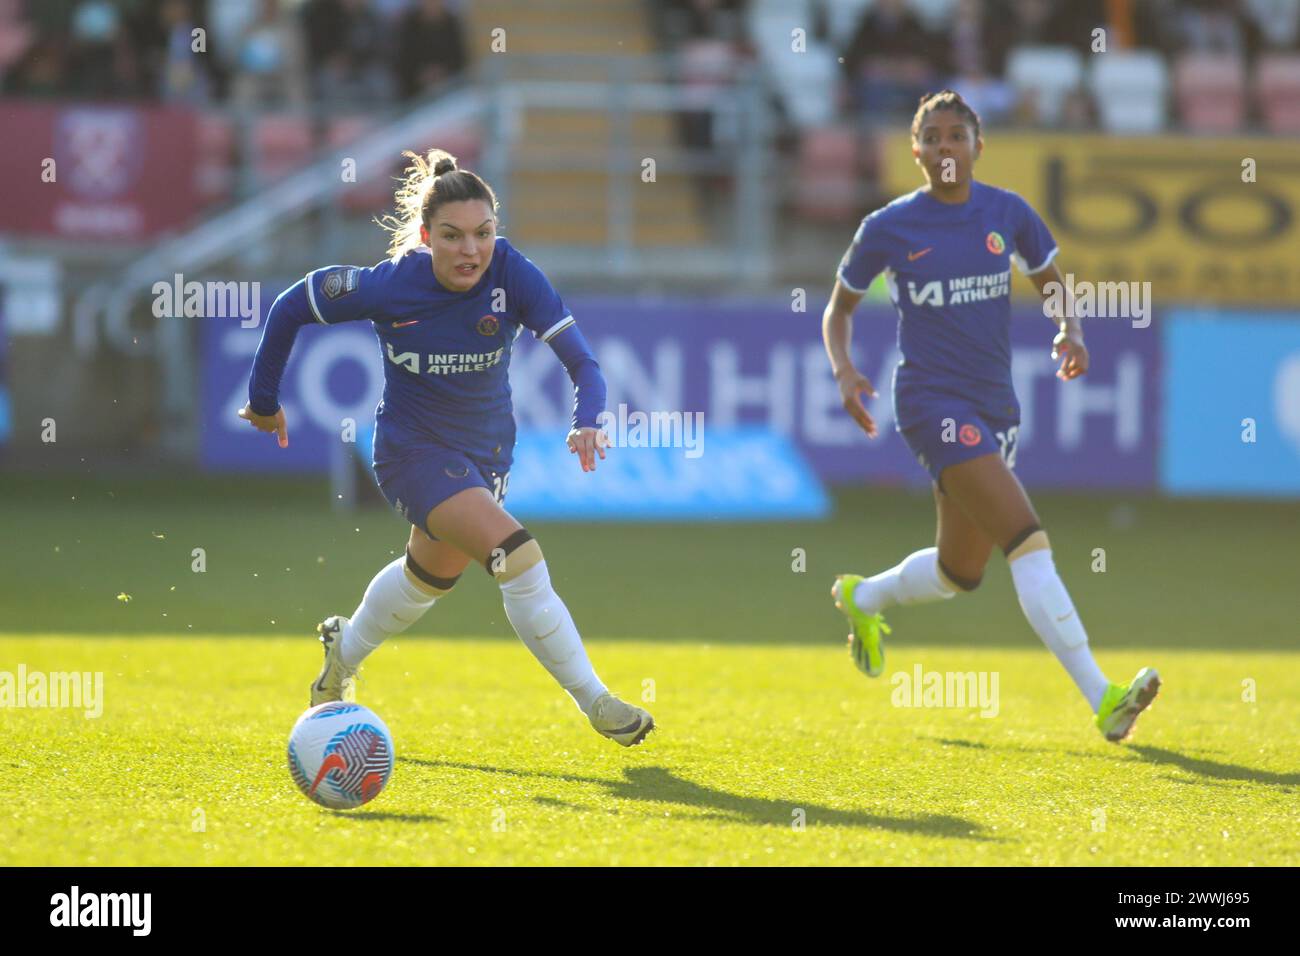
947, 431
420, 480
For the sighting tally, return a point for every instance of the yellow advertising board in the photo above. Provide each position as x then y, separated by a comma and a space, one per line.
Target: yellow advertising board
1203, 220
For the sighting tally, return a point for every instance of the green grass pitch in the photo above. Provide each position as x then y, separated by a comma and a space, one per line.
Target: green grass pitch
772, 748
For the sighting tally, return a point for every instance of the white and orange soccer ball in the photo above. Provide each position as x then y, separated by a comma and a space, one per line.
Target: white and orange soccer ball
340, 754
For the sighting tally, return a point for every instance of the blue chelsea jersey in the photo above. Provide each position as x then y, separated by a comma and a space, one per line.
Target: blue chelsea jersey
445, 354
948, 271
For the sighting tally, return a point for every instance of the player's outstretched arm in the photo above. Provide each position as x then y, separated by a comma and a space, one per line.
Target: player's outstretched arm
290, 312
837, 333
585, 438
1068, 345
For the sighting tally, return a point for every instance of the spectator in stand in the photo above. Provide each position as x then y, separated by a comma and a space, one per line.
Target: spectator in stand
709, 19
888, 61
390, 11
1074, 21
1210, 26
430, 48
269, 59
1028, 23
39, 72
227, 20
181, 74
347, 51
975, 58
1277, 24
101, 60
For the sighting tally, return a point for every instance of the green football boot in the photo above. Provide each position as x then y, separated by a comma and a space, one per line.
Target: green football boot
1122, 703
865, 645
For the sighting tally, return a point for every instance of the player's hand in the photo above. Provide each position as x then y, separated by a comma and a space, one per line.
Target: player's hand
852, 384
587, 443
267, 423
1069, 348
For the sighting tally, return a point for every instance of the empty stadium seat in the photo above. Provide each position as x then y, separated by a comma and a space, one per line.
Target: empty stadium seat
373, 189
282, 144
1045, 75
808, 82
1129, 87
826, 180
1210, 89
1277, 91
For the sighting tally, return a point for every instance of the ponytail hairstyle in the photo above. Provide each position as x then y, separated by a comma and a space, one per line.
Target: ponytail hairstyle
944, 100
429, 182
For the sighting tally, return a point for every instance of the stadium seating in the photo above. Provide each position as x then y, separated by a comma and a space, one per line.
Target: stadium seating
282, 143
369, 192
1045, 75
214, 171
1129, 88
1210, 90
826, 181
807, 82
1277, 91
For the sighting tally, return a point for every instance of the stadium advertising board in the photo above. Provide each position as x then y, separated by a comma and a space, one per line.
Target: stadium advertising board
106, 173
1204, 220
738, 364
1232, 404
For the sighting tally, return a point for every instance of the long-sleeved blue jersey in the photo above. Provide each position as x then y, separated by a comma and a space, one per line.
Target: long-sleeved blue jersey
445, 353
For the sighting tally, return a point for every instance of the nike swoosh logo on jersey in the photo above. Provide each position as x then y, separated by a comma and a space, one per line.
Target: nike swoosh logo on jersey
913, 256
1063, 617
402, 325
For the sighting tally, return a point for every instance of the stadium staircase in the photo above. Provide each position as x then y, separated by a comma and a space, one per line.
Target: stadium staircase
559, 182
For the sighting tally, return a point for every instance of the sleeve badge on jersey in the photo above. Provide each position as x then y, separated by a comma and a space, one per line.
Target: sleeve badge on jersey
340, 282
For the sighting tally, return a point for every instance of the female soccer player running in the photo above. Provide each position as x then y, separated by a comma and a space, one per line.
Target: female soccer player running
447, 307
946, 251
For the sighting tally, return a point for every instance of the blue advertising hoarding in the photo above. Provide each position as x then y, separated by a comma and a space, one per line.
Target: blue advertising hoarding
739, 363
1231, 404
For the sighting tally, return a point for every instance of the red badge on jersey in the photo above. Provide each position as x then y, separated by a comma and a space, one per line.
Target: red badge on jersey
969, 436
488, 325
993, 242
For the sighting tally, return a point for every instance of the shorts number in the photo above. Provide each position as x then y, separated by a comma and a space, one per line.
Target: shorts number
1007, 444
500, 485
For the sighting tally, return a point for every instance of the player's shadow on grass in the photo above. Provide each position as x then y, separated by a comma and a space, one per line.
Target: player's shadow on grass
380, 815
1195, 765
1214, 768
659, 785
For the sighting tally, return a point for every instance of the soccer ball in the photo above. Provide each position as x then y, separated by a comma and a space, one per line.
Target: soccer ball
340, 755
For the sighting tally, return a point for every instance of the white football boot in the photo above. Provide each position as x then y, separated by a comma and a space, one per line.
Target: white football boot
336, 681
619, 721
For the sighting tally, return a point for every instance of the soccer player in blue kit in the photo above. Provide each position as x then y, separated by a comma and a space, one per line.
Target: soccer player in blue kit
946, 250
447, 307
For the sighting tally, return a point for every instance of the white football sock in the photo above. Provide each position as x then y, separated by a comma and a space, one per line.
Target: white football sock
1051, 614
545, 626
916, 580
391, 604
